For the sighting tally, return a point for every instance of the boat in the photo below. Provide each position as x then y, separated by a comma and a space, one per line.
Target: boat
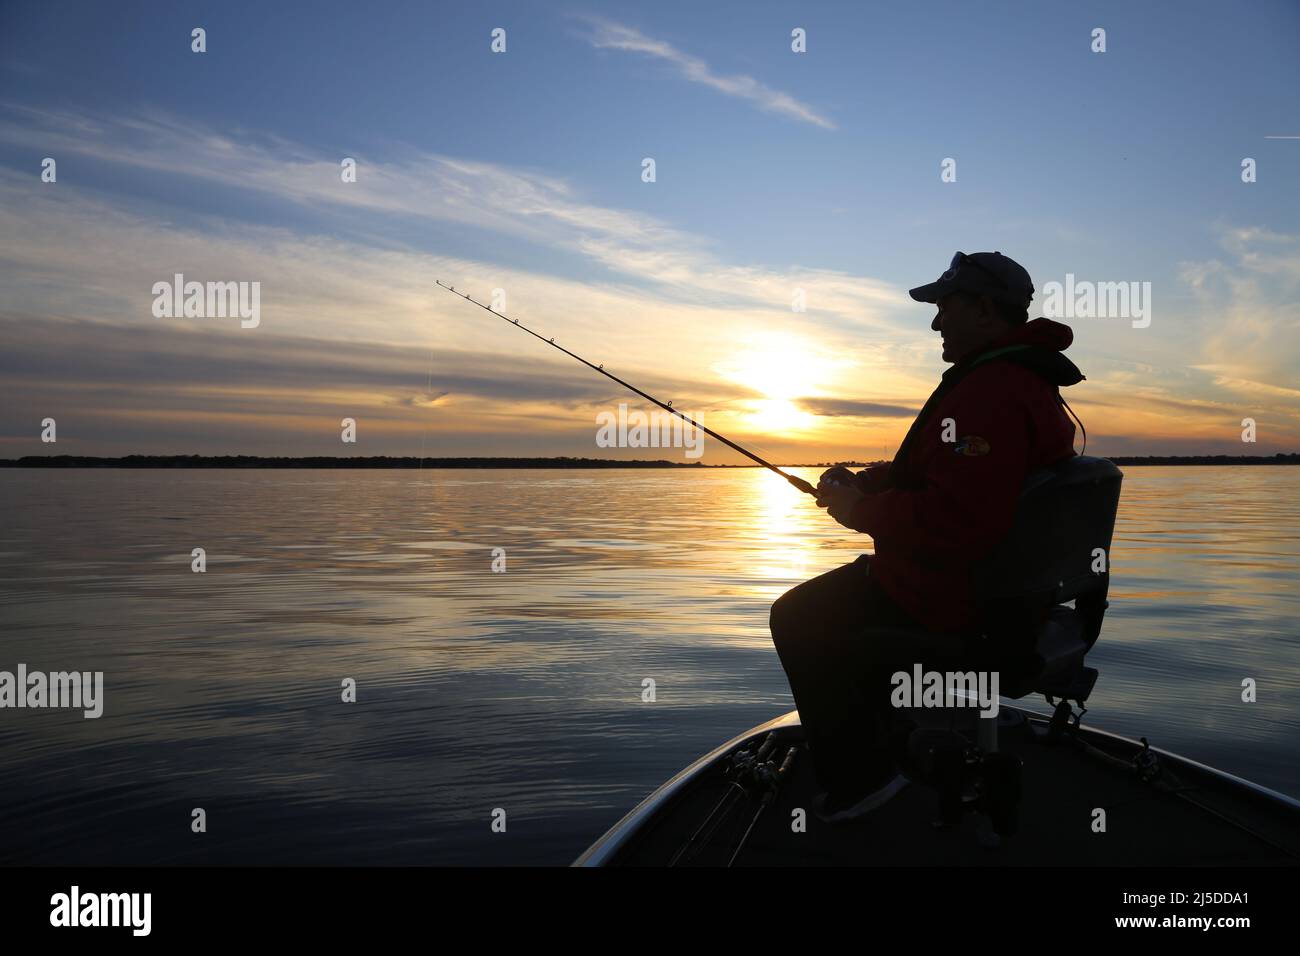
1160, 809
1023, 787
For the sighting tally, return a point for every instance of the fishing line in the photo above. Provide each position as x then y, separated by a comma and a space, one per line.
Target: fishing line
1079, 420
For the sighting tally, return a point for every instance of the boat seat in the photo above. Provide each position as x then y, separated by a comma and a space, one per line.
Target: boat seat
1041, 591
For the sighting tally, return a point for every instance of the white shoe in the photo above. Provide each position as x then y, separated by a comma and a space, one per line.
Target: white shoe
831, 810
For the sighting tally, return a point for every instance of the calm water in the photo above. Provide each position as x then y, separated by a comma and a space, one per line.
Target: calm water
520, 690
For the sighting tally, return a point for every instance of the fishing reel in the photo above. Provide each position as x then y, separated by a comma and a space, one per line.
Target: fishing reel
753, 776
754, 770
846, 481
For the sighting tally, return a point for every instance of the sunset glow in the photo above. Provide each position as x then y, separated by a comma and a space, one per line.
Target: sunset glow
766, 287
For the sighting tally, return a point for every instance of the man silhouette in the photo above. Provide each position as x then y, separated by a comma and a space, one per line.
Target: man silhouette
945, 500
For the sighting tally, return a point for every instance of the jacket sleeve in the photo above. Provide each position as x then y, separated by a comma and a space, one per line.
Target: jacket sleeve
970, 489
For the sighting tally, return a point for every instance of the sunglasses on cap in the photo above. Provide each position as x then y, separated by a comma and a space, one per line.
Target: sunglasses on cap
961, 259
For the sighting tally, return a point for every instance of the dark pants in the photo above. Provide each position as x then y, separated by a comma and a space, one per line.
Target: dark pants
840, 675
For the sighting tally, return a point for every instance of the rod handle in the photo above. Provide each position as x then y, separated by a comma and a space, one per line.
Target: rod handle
802, 485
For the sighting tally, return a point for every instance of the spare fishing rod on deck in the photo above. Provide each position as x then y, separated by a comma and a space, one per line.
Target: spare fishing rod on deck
798, 482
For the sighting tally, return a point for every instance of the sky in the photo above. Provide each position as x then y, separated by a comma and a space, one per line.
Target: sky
779, 176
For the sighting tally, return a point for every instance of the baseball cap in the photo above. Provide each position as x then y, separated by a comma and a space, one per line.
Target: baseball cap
982, 273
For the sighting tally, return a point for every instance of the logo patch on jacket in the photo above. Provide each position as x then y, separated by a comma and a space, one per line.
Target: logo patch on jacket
971, 445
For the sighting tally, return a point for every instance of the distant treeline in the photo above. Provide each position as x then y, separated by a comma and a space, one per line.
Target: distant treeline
254, 461
1278, 459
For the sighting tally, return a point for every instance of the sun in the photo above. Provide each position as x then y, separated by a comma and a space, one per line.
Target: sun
779, 415
782, 368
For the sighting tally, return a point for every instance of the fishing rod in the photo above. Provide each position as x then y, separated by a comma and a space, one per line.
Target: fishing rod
798, 482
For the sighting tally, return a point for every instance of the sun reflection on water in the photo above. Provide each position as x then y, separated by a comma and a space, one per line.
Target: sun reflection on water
789, 524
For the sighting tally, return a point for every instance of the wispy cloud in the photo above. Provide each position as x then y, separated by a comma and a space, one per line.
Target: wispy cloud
1247, 304
607, 35
522, 203
847, 407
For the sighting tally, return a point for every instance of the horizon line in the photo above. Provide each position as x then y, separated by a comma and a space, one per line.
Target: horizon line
505, 461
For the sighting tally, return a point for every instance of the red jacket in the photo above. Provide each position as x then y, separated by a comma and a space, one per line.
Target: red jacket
943, 504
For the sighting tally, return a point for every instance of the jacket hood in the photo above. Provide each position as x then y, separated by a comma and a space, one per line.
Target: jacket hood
1037, 345
1040, 332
